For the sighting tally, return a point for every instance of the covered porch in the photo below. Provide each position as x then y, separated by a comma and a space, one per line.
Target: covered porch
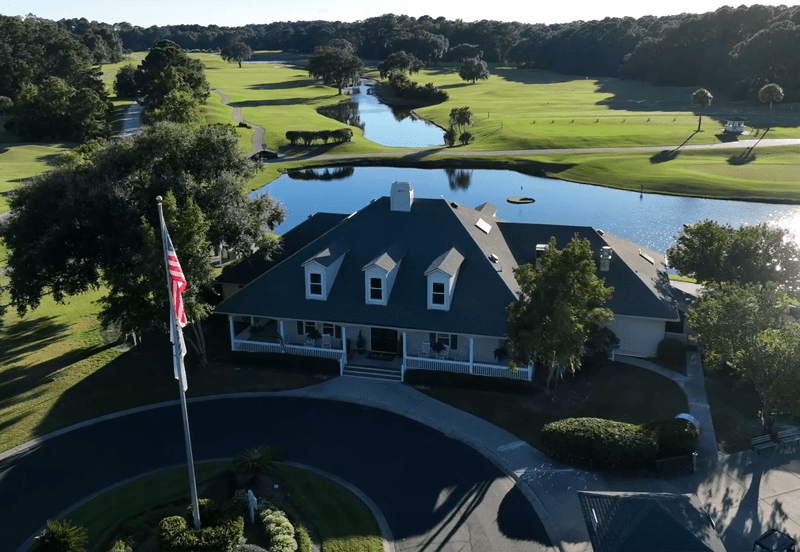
366, 346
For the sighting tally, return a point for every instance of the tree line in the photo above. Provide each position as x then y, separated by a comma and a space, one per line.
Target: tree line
735, 49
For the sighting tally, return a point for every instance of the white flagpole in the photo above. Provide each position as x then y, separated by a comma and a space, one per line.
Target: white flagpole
177, 359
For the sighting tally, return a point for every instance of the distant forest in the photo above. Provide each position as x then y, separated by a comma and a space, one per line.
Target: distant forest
732, 51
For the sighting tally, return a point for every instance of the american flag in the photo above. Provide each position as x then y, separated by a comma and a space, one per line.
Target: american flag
178, 282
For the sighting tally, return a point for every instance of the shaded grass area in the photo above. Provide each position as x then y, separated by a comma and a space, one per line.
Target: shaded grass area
343, 522
735, 407
58, 368
103, 513
609, 390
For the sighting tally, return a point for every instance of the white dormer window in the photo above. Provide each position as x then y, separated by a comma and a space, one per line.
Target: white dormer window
315, 284
376, 289
437, 293
442, 275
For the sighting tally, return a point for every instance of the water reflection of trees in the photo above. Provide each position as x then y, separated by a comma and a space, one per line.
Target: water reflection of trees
459, 179
345, 112
319, 174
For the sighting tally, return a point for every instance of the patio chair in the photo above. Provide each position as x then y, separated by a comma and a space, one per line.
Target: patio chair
425, 350
326, 341
463, 354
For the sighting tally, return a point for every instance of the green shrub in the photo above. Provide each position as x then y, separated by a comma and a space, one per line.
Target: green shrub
213, 512
671, 353
120, 546
600, 444
175, 535
62, 536
249, 548
279, 530
675, 437
302, 538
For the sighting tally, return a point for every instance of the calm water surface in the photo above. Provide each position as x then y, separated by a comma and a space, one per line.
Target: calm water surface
382, 124
650, 220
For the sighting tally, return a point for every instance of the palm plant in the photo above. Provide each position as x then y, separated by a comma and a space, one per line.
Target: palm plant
62, 536
254, 460
701, 99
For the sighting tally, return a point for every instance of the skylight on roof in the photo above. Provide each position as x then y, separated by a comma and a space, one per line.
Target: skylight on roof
483, 225
647, 257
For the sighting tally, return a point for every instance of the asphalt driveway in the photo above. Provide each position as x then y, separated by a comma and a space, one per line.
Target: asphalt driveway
436, 493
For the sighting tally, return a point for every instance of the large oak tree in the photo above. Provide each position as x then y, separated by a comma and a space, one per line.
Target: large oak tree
89, 222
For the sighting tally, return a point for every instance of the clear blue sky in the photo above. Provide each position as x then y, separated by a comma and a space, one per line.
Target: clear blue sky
242, 12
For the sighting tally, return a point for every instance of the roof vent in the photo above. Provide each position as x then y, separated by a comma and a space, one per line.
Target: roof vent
600, 231
483, 225
494, 258
540, 249
454, 205
605, 258
647, 257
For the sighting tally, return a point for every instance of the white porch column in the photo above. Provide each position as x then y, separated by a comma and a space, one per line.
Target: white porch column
403, 364
343, 362
233, 336
471, 353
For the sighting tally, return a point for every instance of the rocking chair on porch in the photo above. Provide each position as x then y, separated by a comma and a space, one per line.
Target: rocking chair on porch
425, 350
462, 355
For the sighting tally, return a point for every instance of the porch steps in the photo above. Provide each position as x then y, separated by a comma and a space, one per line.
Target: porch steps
386, 374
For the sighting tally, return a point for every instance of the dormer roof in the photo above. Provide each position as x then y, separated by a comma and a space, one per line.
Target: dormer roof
389, 258
448, 262
328, 256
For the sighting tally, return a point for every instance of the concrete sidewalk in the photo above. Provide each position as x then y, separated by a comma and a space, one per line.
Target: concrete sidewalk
745, 493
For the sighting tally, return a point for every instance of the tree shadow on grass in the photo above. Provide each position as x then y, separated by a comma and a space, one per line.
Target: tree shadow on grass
459, 85
26, 336
664, 156
283, 85
742, 159
532, 76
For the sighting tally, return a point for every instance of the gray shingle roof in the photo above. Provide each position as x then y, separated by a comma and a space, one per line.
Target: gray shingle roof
301, 235
482, 292
329, 254
640, 288
655, 522
448, 262
389, 258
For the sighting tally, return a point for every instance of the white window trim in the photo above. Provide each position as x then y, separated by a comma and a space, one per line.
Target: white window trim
321, 284
369, 288
438, 306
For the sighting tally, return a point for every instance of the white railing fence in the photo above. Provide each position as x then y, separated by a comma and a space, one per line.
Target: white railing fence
492, 370
264, 347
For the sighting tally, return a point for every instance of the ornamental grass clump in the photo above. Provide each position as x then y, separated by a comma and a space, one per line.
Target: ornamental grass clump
254, 460
62, 536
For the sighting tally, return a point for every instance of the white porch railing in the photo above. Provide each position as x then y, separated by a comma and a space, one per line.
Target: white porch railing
268, 347
492, 370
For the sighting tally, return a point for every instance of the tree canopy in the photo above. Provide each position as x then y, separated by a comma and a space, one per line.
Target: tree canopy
745, 327
91, 221
557, 308
770, 93
400, 61
166, 68
335, 66
713, 252
474, 69
238, 51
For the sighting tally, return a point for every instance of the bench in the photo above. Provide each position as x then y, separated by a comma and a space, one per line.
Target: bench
787, 436
762, 442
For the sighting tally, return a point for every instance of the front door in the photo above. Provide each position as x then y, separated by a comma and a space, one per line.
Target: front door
384, 341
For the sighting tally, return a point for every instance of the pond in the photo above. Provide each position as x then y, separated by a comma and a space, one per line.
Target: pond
382, 124
649, 219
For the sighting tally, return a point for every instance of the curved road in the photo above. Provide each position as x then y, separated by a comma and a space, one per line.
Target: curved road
436, 493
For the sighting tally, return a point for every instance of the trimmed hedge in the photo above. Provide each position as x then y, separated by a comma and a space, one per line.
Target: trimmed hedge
308, 137
675, 437
279, 530
595, 443
175, 535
